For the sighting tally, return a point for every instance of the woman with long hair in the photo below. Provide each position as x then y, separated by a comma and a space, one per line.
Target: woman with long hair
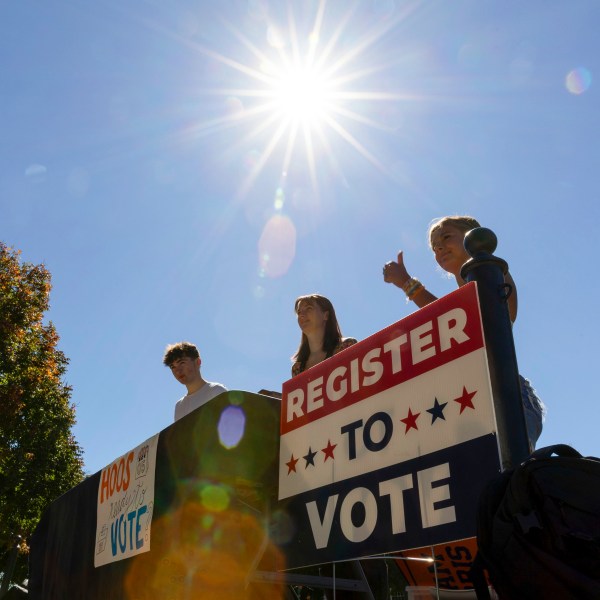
321, 333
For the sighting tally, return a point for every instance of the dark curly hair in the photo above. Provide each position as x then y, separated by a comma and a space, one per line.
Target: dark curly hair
174, 352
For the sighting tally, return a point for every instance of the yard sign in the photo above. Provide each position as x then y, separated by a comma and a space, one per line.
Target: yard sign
386, 445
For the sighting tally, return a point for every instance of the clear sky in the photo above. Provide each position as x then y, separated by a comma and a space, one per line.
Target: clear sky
186, 169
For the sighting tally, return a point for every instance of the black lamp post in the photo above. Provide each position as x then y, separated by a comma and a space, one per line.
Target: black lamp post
488, 271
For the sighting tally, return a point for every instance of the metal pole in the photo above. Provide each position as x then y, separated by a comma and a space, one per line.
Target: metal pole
435, 574
488, 271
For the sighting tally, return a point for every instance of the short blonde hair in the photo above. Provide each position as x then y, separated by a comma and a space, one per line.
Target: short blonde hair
462, 223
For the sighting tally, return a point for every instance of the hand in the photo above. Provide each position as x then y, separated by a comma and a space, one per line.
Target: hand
395, 272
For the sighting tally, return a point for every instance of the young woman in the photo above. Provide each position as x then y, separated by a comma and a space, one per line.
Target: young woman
446, 236
321, 334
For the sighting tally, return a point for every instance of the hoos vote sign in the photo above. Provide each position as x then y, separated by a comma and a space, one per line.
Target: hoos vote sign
385, 446
125, 505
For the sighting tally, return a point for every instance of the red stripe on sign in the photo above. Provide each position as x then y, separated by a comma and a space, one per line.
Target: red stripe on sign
433, 336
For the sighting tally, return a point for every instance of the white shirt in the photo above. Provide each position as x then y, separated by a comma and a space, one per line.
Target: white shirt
192, 401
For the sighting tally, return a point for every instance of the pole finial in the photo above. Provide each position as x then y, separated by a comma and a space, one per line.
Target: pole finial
480, 240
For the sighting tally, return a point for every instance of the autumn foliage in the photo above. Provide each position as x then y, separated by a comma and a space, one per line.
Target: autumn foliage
39, 458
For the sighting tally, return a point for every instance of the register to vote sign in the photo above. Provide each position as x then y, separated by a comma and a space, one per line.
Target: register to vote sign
386, 445
125, 505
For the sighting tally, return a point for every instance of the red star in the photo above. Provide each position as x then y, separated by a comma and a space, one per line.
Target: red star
410, 421
328, 450
465, 400
292, 464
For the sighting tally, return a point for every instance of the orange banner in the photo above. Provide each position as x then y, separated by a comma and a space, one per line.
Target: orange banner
453, 562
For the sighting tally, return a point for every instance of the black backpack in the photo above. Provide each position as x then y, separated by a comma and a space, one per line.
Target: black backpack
538, 529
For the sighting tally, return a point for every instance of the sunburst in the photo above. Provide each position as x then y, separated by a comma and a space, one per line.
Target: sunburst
302, 91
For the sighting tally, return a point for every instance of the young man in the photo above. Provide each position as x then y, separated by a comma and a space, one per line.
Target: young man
184, 361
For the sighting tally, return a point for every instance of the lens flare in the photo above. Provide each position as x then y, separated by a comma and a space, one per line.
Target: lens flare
36, 172
231, 426
277, 246
192, 561
214, 498
279, 199
281, 528
578, 81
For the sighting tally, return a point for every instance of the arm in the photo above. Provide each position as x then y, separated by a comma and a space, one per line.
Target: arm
396, 273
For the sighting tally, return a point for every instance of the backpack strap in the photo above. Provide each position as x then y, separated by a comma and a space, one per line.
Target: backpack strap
477, 576
558, 449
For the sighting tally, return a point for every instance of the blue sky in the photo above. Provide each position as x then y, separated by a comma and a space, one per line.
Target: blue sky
147, 160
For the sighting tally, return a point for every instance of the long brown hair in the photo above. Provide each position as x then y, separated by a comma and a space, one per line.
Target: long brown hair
333, 333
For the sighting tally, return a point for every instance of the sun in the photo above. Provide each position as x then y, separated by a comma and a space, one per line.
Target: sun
302, 91
302, 95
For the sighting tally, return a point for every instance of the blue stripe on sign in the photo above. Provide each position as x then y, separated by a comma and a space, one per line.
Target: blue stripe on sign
426, 501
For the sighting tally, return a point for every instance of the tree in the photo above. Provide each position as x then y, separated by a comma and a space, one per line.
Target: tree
39, 457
